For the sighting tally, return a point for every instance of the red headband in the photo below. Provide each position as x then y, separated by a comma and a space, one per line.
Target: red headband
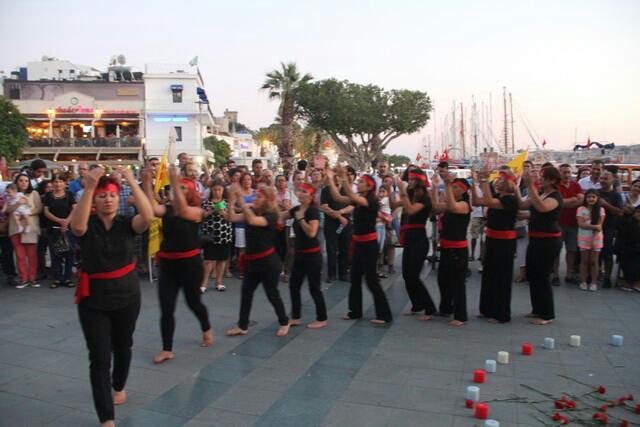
371, 181
189, 183
464, 185
508, 176
108, 188
308, 188
419, 176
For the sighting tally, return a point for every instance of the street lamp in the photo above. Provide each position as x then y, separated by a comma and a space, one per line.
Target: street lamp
96, 116
52, 115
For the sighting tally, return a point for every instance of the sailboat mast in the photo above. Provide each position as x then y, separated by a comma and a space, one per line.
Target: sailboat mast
475, 127
505, 127
464, 153
513, 137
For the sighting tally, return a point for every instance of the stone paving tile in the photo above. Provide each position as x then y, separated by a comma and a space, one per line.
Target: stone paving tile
221, 418
357, 415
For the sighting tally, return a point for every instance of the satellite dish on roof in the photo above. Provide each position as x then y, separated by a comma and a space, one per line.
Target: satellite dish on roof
122, 59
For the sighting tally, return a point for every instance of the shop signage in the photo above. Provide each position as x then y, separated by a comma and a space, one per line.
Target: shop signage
90, 110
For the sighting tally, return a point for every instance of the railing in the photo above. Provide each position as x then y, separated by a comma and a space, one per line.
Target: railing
124, 142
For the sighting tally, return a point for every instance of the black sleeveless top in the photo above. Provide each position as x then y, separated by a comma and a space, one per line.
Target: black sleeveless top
259, 240
178, 234
546, 222
503, 219
303, 241
421, 217
364, 217
454, 226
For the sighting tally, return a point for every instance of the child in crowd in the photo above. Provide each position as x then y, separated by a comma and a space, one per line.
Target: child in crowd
590, 238
22, 212
383, 220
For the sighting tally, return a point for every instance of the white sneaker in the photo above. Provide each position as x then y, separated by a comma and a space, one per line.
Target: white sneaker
583, 286
34, 284
593, 287
22, 285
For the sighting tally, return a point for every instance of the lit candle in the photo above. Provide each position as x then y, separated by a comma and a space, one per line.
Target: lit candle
574, 340
482, 411
617, 340
473, 393
479, 376
491, 423
490, 365
527, 349
503, 357
549, 343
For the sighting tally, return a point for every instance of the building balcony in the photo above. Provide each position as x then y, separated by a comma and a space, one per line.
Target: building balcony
123, 142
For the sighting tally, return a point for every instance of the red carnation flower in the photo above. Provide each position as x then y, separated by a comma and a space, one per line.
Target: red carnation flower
624, 423
603, 408
638, 408
601, 389
556, 416
571, 404
559, 404
469, 403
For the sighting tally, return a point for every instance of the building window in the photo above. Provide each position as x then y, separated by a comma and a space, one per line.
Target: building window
14, 92
176, 90
178, 133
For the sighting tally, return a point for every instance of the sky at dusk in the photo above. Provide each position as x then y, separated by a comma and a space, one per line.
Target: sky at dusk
573, 67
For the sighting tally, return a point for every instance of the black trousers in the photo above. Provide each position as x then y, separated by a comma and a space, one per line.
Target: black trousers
6, 258
309, 265
108, 332
268, 276
541, 254
451, 282
413, 257
175, 274
337, 246
364, 263
497, 276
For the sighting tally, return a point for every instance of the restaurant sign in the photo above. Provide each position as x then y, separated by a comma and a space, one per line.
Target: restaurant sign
79, 109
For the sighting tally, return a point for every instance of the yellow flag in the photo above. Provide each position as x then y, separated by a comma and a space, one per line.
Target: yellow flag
162, 175
515, 164
155, 236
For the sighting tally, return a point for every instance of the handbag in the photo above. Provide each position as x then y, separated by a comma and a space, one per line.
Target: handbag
60, 245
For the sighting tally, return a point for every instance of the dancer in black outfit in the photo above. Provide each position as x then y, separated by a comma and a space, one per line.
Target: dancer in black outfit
260, 261
308, 258
179, 260
453, 246
365, 245
500, 244
545, 241
108, 293
416, 208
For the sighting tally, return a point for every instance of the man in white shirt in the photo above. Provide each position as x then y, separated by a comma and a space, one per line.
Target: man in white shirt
592, 182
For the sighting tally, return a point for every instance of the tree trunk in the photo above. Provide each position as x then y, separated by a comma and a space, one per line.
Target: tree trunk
286, 156
317, 143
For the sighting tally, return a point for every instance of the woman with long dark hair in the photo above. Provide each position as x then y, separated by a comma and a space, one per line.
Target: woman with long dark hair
260, 262
364, 243
545, 240
590, 218
308, 257
453, 246
108, 293
179, 260
416, 208
500, 243
216, 232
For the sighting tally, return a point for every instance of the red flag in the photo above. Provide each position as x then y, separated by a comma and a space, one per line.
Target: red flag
589, 143
445, 155
418, 157
436, 156
544, 143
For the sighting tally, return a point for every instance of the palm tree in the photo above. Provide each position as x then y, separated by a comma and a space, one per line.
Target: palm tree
282, 84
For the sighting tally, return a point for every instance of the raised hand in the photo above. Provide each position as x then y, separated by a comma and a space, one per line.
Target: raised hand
91, 179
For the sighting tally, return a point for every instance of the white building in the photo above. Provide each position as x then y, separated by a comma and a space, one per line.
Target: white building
50, 68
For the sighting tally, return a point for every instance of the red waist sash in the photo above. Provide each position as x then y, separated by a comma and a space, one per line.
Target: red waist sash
178, 255
453, 244
84, 284
405, 227
544, 234
309, 251
359, 238
252, 257
501, 234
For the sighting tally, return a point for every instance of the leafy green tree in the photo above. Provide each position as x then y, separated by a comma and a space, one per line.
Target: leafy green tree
220, 149
283, 84
362, 119
13, 130
397, 159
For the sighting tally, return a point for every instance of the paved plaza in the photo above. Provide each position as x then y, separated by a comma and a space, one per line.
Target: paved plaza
411, 373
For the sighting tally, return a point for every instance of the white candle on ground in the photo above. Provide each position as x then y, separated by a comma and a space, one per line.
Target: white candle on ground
503, 357
491, 423
574, 340
617, 340
549, 343
490, 365
473, 393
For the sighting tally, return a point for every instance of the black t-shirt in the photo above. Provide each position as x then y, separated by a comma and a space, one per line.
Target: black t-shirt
546, 222
58, 206
454, 225
178, 234
261, 239
364, 217
614, 198
505, 218
327, 199
421, 217
108, 250
303, 241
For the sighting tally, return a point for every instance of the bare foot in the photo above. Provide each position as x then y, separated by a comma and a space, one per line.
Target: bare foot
119, 397
295, 322
456, 323
378, 321
109, 423
283, 330
207, 338
425, 317
163, 356
541, 322
317, 324
237, 331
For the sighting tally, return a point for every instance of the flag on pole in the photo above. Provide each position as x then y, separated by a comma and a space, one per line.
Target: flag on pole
436, 156
516, 165
589, 143
194, 61
445, 155
418, 157
544, 143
